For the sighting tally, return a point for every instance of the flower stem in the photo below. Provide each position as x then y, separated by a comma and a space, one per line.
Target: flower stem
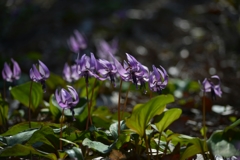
125, 102
61, 122
29, 110
93, 87
158, 146
119, 107
146, 143
4, 90
89, 108
204, 124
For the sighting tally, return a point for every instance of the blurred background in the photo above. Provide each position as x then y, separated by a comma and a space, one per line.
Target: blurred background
191, 39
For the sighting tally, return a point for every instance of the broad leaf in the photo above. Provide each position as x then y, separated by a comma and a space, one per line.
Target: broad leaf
44, 139
194, 145
225, 144
166, 118
98, 146
21, 150
114, 128
75, 153
142, 114
25, 126
19, 138
22, 93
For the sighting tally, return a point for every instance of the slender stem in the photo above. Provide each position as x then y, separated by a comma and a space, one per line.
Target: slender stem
61, 122
146, 143
119, 106
89, 108
204, 125
150, 94
204, 118
4, 90
93, 88
125, 103
158, 146
29, 110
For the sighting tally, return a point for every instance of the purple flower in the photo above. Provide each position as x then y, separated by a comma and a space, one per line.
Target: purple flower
158, 79
86, 67
40, 73
106, 70
209, 86
77, 42
67, 99
70, 73
132, 70
10, 75
104, 49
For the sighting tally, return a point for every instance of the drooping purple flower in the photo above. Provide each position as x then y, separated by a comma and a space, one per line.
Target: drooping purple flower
132, 70
10, 75
158, 79
86, 67
39, 73
104, 49
209, 86
70, 73
106, 70
77, 42
67, 99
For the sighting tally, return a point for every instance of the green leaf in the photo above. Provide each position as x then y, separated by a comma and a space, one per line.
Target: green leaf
22, 93
194, 145
191, 151
98, 146
25, 126
225, 144
123, 138
3, 112
55, 111
44, 139
166, 118
114, 128
21, 150
75, 153
54, 81
142, 114
20, 137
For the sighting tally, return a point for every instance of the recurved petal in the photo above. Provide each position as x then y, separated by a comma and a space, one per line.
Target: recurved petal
34, 74
80, 40
206, 85
43, 70
16, 70
57, 97
132, 61
7, 73
74, 94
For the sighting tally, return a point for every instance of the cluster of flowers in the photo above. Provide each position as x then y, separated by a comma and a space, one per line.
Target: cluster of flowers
101, 69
